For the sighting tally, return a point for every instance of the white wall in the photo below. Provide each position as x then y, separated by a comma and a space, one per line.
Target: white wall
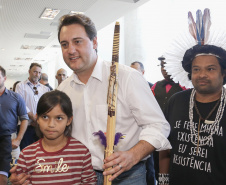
145, 34
10, 81
150, 29
105, 42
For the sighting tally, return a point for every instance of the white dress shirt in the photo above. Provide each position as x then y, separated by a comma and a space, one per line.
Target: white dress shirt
138, 114
25, 89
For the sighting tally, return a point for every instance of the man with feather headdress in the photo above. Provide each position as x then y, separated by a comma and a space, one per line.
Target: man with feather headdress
197, 116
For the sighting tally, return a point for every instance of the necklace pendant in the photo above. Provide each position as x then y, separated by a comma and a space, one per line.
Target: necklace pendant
208, 122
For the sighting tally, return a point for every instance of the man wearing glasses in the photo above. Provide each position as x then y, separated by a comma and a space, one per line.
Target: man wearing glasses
31, 90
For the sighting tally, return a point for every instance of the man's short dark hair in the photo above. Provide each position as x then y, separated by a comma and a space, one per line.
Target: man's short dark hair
3, 71
35, 64
137, 62
81, 19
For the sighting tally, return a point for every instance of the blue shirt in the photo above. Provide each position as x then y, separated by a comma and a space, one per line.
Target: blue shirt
12, 106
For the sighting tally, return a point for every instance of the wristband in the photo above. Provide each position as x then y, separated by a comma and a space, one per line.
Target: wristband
163, 178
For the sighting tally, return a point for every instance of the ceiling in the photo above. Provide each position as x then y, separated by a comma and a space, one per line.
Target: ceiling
21, 26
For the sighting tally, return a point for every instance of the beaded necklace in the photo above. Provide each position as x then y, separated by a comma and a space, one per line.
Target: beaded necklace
214, 126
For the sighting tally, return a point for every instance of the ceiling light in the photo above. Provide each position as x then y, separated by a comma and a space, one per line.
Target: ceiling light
55, 46
49, 13
39, 48
74, 12
18, 58
32, 47
36, 36
54, 24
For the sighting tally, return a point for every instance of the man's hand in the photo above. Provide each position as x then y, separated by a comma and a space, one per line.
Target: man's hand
15, 143
121, 161
18, 179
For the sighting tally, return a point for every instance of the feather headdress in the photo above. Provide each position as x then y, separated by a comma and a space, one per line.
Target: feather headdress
198, 33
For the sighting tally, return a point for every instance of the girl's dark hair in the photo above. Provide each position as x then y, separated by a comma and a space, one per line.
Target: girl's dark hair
48, 101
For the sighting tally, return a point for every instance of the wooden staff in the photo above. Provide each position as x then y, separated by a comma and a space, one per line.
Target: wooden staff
112, 98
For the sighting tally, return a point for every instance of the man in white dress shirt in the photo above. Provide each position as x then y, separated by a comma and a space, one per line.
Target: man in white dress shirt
31, 90
139, 116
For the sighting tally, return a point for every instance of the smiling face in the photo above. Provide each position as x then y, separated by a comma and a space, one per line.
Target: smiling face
78, 50
206, 76
53, 124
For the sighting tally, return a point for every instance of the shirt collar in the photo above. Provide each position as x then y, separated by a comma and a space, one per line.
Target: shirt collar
6, 90
29, 83
97, 72
98, 69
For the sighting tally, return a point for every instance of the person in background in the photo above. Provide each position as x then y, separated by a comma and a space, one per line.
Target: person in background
165, 88
14, 85
12, 107
150, 176
44, 81
162, 91
139, 67
31, 90
61, 75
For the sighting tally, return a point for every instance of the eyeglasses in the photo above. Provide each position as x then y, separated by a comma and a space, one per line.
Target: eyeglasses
35, 90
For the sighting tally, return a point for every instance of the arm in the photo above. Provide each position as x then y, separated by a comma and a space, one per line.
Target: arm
164, 162
20, 91
148, 116
23, 128
88, 174
164, 157
33, 118
19, 174
127, 159
18, 179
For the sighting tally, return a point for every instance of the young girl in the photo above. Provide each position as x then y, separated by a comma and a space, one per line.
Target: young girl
56, 158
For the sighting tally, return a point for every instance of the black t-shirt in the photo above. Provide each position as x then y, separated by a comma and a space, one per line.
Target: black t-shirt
189, 166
